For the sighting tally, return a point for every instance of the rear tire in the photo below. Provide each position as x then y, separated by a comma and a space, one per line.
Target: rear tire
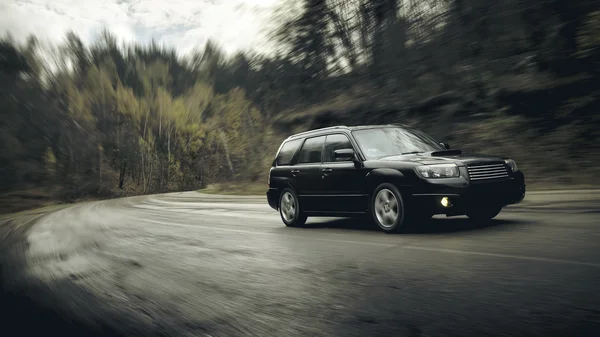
387, 208
290, 210
483, 214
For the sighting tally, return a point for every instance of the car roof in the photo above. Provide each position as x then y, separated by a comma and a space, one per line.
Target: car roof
342, 128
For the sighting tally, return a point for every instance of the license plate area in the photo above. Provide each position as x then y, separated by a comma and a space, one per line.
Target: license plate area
488, 193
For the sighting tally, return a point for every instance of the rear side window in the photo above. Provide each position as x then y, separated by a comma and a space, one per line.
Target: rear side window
311, 150
286, 154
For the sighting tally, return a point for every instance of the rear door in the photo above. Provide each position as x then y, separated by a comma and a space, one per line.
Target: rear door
341, 180
307, 173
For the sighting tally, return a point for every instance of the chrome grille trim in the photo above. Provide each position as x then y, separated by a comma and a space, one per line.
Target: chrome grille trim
486, 172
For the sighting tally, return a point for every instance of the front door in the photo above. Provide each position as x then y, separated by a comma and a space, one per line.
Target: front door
341, 180
307, 172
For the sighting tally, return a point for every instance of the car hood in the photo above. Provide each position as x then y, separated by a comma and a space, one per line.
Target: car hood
441, 157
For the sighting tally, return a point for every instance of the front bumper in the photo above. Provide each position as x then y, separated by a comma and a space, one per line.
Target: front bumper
462, 194
273, 197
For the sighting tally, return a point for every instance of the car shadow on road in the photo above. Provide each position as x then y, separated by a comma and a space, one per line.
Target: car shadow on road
435, 225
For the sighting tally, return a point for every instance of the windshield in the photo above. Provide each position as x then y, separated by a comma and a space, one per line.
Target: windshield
392, 141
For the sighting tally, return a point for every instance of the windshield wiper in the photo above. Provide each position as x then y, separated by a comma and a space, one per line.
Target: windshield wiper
413, 152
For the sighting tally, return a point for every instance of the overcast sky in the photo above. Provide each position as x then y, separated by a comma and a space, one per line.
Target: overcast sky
183, 24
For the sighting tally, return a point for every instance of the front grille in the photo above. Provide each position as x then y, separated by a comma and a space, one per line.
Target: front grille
487, 172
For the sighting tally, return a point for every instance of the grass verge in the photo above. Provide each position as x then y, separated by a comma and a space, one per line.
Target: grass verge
22, 201
17, 201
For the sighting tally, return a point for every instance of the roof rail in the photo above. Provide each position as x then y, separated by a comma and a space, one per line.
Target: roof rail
321, 129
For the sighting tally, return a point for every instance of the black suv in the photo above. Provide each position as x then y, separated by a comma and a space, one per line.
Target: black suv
395, 174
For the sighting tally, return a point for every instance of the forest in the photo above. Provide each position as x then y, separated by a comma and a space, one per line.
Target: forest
514, 77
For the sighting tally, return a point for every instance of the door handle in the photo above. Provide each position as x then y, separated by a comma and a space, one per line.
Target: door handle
295, 172
326, 171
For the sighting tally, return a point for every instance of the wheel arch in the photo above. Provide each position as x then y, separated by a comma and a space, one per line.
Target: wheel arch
280, 190
379, 176
290, 186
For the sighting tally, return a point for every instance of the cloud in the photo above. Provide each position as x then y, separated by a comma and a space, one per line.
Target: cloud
183, 24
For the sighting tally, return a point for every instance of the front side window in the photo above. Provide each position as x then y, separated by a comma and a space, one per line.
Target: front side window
311, 150
287, 152
335, 142
379, 143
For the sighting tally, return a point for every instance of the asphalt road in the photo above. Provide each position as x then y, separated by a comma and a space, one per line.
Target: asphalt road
187, 264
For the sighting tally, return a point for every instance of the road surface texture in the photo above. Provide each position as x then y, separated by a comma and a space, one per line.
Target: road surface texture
188, 264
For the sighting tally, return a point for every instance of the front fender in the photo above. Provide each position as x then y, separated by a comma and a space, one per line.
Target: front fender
385, 175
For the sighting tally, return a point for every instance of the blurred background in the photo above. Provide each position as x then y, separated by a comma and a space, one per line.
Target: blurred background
95, 117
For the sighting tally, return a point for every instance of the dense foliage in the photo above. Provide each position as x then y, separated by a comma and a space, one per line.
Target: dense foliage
139, 119
516, 77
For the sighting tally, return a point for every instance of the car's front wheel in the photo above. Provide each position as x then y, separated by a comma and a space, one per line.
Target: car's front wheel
289, 209
387, 208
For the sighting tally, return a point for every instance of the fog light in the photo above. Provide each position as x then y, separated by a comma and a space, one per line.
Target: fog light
445, 202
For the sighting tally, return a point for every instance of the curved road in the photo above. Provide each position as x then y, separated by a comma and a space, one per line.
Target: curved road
188, 264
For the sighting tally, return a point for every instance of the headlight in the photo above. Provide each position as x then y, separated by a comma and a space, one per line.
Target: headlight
438, 171
512, 164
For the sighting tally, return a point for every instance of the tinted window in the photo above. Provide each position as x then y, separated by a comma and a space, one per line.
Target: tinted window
311, 150
335, 142
287, 152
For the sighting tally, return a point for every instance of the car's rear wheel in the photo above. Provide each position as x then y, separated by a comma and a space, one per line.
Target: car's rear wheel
483, 214
387, 208
290, 210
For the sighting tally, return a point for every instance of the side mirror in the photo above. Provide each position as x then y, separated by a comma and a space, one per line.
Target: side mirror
344, 155
445, 146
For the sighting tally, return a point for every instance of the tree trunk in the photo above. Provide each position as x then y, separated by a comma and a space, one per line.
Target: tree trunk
122, 174
224, 141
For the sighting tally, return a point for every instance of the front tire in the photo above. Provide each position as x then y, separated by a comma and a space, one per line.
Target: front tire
290, 210
387, 208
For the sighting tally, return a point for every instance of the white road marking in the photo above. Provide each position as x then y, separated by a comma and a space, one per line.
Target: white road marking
237, 204
507, 256
8, 219
592, 191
